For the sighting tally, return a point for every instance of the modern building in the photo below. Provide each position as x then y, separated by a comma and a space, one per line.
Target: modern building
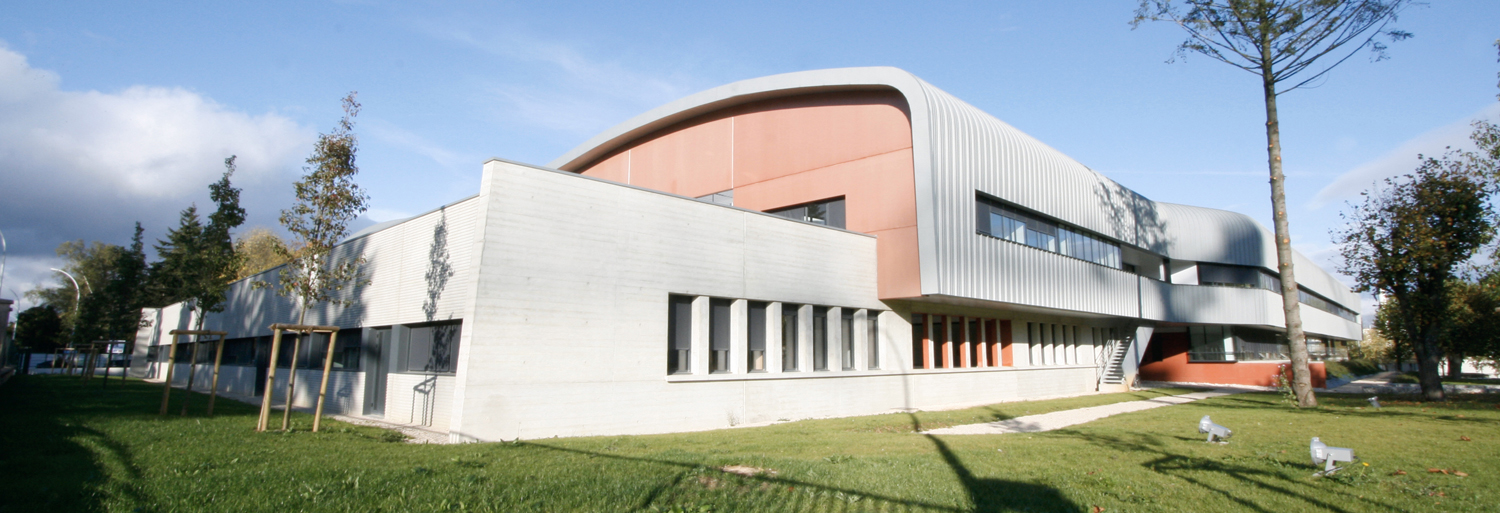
815, 244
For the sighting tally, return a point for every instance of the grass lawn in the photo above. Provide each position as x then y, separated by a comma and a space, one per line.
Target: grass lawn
64, 447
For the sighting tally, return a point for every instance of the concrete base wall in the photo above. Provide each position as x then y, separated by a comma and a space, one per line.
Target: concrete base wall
345, 389
568, 336
417, 399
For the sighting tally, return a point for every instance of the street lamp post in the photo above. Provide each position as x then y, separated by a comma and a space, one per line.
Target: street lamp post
77, 299
3, 253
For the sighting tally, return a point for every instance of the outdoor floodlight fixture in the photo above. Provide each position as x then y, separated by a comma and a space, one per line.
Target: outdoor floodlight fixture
1216, 433
1328, 456
1374, 401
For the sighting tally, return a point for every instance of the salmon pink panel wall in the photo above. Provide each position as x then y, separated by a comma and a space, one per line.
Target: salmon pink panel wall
787, 136
1174, 366
788, 151
694, 161
614, 169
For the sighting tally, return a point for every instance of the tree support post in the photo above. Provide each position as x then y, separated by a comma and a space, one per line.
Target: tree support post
291, 384
265, 398
192, 372
302, 330
109, 364
192, 366
323, 388
166, 390
218, 357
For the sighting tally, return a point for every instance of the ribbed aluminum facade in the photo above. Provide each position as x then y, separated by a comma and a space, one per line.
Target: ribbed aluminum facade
959, 150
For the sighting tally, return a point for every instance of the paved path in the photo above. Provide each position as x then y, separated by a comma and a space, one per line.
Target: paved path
1065, 418
1381, 384
1357, 386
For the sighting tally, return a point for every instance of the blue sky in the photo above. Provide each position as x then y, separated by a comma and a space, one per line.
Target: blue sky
112, 113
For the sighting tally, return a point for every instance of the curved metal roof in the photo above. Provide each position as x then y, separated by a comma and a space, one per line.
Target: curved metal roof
958, 149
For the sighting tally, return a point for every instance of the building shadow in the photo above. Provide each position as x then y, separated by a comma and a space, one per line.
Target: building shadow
51, 462
996, 495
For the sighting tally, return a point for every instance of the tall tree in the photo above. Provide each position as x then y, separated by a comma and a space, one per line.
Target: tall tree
327, 199
1474, 323
40, 329
89, 263
221, 263
181, 256
1282, 42
260, 249
198, 261
122, 317
1405, 242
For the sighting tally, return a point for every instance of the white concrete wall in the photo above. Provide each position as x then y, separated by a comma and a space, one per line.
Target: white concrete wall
568, 331
398, 262
419, 399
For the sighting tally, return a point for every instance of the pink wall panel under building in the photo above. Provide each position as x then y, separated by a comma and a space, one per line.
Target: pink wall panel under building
1167, 360
788, 151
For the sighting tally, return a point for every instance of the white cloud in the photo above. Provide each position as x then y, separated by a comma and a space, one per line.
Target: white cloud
87, 164
381, 215
1403, 159
397, 136
572, 92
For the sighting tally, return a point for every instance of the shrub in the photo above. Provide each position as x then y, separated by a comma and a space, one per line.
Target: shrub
1351, 368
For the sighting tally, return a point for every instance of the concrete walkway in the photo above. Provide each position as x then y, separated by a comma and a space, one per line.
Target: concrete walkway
1065, 418
1357, 386
1381, 384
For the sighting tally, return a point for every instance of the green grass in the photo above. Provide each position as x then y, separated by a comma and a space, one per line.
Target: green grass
64, 447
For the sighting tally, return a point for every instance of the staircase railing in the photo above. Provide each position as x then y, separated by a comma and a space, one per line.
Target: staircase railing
1103, 360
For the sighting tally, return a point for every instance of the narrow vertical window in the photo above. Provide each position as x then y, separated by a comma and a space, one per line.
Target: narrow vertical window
679, 334
718, 336
975, 345
756, 336
820, 338
919, 358
846, 338
789, 333
872, 338
942, 336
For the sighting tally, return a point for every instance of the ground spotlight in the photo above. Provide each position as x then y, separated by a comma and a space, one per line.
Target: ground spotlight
1328, 456
1216, 433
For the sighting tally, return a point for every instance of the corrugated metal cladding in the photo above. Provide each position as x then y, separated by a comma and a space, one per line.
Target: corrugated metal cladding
973, 151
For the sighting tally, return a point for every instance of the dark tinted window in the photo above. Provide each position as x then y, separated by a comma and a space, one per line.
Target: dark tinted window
433, 347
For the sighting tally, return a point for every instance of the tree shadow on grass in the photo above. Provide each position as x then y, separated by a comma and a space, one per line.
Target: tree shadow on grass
990, 494
50, 461
1187, 468
984, 494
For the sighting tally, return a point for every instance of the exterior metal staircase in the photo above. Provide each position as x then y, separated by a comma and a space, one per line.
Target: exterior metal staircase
1112, 356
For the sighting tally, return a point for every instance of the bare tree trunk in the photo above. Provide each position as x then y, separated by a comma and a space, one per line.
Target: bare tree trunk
1428, 360
1455, 366
1301, 376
